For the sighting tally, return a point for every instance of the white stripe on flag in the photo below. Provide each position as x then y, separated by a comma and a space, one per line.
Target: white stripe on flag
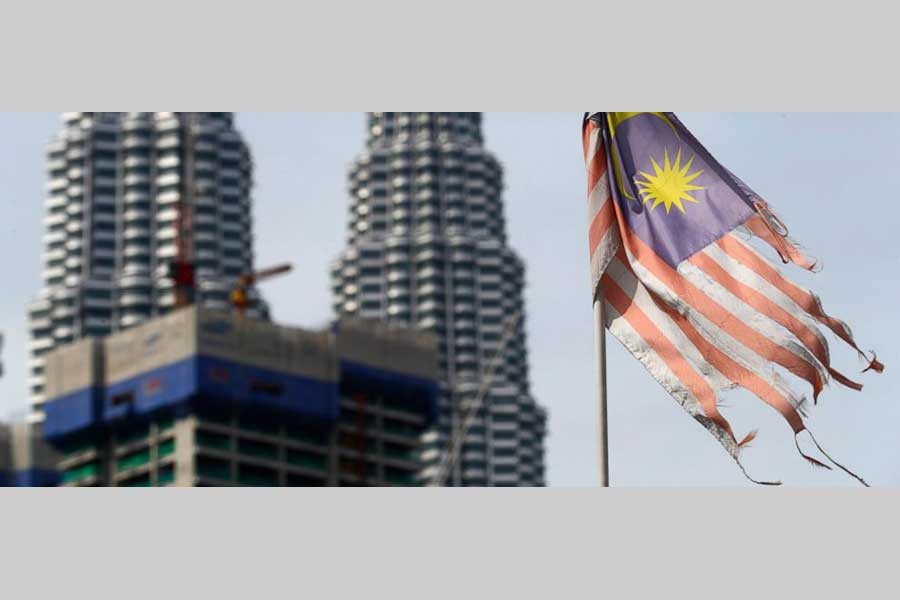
604, 253
623, 276
801, 289
598, 197
750, 278
593, 146
634, 343
751, 317
718, 337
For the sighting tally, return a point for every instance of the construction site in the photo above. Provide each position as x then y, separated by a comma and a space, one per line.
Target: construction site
154, 360
210, 398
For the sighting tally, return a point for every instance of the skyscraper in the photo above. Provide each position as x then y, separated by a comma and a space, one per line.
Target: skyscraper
120, 184
427, 247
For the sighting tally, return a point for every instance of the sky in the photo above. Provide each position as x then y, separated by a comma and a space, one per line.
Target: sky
830, 176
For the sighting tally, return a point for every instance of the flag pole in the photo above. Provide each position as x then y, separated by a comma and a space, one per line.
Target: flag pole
602, 437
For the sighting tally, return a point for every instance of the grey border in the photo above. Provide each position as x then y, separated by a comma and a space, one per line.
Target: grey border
447, 543
264, 55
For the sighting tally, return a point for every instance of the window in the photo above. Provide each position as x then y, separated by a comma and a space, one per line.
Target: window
257, 449
399, 476
258, 426
122, 399
166, 475
305, 481
132, 435
81, 472
133, 460
212, 440
307, 434
214, 468
139, 481
256, 476
302, 458
166, 448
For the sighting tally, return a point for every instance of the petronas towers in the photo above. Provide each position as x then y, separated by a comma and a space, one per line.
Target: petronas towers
427, 246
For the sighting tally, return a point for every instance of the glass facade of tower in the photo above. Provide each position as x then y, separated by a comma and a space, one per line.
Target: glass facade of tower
427, 247
116, 182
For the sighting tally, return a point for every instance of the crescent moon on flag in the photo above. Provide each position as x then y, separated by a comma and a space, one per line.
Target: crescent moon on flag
617, 118
614, 120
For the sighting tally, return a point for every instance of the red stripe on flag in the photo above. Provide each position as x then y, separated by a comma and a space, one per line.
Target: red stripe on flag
735, 372
601, 223
801, 297
788, 252
666, 351
596, 163
596, 169
723, 318
586, 132
761, 303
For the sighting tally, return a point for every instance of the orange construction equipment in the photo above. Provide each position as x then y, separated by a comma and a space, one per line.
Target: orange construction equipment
181, 269
239, 298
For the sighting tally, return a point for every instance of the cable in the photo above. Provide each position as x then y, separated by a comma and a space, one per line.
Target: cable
456, 442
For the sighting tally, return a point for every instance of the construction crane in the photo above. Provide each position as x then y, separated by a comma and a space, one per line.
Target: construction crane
181, 269
239, 297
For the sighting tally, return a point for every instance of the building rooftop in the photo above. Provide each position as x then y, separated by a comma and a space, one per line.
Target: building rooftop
207, 358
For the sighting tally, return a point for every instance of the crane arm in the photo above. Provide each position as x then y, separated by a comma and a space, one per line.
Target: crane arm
262, 274
239, 297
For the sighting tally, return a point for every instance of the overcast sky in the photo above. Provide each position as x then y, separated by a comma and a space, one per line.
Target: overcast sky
832, 177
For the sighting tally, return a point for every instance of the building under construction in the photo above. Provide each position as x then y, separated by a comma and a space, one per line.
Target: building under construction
204, 397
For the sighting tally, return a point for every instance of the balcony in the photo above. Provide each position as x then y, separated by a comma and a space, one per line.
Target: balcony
131, 299
431, 322
131, 319
40, 344
137, 250
136, 161
136, 179
169, 179
57, 184
135, 214
136, 141
62, 335
166, 233
397, 276
75, 153
136, 197
138, 279
430, 306
54, 273
166, 252
430, 289
55, 219
40, 324
56, 202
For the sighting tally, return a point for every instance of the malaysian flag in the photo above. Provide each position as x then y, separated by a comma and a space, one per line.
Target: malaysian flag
684, 289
